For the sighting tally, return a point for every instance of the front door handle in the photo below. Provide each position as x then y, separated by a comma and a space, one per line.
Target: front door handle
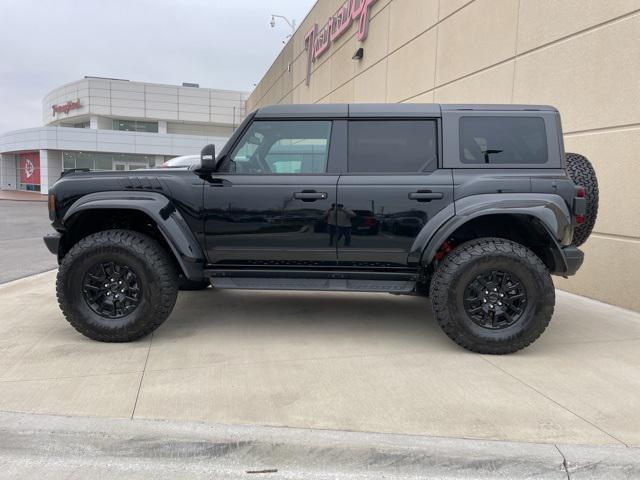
310, 195
425, 196
219, 182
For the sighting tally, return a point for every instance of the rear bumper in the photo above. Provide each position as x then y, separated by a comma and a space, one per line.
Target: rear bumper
52, 241
573, 258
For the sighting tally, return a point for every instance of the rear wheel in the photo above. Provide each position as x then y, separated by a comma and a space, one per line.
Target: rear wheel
116, 286
582, 173
493, 296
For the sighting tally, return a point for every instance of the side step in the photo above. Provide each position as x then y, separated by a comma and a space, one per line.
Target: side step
318, 284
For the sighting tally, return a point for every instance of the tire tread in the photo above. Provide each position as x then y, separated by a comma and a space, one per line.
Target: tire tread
582, 173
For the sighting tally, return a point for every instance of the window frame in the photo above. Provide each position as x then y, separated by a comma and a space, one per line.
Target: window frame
332, 144
438, 138
451, 139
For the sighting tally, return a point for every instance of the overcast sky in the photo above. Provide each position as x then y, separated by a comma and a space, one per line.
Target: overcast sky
217, 43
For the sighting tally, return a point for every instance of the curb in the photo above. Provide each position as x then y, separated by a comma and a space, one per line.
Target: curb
37, 446
22, 200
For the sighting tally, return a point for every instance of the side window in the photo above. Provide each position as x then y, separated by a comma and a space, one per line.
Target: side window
392, 146
503, 140
281, 147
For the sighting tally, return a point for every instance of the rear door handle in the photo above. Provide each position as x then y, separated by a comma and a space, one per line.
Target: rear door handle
425, 196
310, 195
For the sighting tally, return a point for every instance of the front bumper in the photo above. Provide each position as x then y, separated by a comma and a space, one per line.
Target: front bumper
573, 258
52, 241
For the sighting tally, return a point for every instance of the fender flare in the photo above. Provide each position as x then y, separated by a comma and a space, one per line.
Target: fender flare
163, 212
550, 210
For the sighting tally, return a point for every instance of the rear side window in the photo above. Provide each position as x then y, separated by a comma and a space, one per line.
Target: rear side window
392, 146
503, 140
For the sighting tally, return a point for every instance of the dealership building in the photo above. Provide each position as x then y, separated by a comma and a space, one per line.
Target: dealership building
582, 57
112, 124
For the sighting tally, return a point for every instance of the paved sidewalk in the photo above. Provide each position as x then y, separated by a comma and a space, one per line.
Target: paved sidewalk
36, 446
19, 196
359, 362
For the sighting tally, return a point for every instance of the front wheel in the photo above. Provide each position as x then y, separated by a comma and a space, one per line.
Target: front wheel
492, 295
116, 286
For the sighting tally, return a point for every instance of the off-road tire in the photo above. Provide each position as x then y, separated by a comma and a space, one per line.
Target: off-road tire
154, 268
186, 285
461, 265
582, 173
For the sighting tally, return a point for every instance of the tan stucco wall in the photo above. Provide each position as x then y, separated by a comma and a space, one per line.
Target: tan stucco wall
582, 56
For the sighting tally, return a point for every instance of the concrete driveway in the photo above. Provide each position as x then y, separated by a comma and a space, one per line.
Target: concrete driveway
361, 362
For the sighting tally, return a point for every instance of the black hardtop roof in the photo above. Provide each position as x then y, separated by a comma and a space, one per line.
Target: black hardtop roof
355, 110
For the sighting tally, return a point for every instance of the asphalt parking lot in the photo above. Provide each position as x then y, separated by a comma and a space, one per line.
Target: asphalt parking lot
22, 226
358, 362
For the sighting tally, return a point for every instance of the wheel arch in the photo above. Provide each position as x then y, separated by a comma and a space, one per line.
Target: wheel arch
148, 212
538, 221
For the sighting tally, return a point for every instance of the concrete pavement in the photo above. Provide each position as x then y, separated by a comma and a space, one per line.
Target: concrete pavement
22, 226
359, 362
37, 446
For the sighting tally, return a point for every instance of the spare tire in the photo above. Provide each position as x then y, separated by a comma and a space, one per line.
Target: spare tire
582, 173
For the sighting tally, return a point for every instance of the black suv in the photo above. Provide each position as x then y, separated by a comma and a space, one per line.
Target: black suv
474, 206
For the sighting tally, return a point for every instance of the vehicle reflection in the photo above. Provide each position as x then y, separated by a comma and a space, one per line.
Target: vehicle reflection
313, 227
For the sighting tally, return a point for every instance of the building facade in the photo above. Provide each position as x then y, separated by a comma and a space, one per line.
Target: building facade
109, 124
581, 56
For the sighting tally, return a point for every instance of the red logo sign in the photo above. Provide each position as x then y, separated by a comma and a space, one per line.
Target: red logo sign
66, 108
317, 42
30, 168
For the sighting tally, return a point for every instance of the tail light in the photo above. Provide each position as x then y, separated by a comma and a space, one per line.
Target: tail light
369, 221
579, 205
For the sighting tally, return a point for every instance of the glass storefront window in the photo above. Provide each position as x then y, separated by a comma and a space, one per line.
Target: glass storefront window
85, 160
135, 126
103, 161
68, 160
106, 161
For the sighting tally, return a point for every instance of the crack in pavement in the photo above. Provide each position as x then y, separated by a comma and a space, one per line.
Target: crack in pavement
564, 462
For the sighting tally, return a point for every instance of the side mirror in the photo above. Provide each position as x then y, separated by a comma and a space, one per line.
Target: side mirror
208, 158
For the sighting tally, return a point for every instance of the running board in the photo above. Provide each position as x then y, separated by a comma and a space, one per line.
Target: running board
314, 284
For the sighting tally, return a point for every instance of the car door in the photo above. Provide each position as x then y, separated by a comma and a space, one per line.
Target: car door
392, 189
267, 203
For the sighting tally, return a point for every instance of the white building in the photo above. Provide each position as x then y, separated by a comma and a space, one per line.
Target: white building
111, 124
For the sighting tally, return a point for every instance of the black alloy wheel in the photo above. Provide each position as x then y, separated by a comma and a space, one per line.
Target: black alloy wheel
495, 299
111, 289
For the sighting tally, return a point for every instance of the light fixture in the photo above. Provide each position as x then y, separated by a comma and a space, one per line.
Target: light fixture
359, 54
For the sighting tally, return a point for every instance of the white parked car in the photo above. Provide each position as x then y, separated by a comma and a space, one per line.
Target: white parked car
182, 162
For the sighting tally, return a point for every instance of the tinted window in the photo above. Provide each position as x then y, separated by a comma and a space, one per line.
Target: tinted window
501, 140
282, 147
397, 146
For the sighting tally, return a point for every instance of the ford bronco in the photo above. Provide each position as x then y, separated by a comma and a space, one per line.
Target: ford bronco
473, 206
